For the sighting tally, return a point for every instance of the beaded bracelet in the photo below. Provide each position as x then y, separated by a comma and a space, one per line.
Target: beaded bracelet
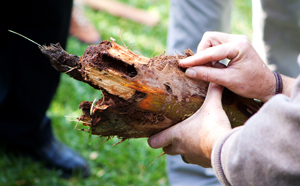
279, 84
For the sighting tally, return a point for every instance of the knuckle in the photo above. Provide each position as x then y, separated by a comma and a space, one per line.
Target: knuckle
211, 57
207, 34
179, 150
244, 40
205, 75
210, 54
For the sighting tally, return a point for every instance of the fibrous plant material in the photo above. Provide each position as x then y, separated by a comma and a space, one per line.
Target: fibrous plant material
141, 96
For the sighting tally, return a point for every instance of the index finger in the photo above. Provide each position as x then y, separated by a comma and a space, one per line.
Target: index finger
211, 39
216, 53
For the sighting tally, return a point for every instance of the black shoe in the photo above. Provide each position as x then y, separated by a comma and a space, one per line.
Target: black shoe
59, 156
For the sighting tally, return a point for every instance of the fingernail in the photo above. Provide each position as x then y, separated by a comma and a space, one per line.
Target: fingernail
190, 73
179, 63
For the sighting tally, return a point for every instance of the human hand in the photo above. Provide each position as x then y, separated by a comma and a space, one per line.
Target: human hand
194, 138
246, 74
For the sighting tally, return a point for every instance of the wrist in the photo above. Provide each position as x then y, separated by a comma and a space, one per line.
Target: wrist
218, 133
279, 83
268, 89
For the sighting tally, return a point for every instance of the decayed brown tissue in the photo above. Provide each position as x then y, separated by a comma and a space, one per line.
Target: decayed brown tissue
141, 96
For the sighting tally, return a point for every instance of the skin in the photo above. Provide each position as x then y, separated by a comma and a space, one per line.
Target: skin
195, 137
246, 75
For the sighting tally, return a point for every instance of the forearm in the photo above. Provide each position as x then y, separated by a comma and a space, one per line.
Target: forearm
269, 89
265, 151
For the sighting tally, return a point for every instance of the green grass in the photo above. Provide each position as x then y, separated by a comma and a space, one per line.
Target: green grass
126, 163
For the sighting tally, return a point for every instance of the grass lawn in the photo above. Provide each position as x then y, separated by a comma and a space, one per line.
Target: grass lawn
126, 163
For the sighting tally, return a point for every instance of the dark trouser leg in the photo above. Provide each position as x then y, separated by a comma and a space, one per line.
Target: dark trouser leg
27, 80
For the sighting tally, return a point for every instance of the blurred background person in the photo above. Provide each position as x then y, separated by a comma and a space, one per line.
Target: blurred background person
28, 83
81, 27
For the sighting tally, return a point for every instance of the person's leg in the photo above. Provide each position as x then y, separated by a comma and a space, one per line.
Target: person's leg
188, 21
182, 174
276, 33
28, 82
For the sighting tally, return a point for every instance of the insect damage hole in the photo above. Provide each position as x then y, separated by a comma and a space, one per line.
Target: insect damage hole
131, 71
119, 65
168, 88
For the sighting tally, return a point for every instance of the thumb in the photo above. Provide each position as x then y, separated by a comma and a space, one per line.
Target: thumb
214, 95
209, 74
161, 139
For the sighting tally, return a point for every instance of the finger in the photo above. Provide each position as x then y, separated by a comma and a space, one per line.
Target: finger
170, 150
216, 53
161, 139
214, 95
209, 74
210, 39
